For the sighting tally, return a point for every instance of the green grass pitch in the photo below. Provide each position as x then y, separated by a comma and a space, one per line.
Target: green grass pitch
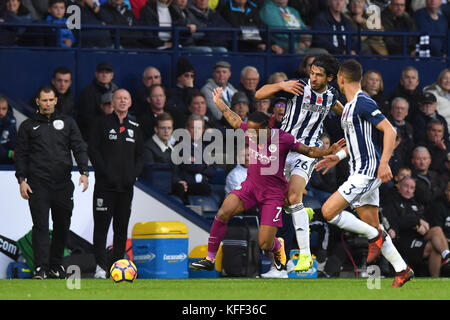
225, 289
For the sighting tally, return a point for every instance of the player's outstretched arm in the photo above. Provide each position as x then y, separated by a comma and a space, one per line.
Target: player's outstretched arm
338, 108
315, 152
331, 160
384, 171
232, 118
268, 90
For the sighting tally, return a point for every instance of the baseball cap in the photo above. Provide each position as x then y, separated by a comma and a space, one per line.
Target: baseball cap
428, 97
222, 64
104, 66
106, 98
239, 97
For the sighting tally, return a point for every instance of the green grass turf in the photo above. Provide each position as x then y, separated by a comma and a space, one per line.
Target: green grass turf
225, 289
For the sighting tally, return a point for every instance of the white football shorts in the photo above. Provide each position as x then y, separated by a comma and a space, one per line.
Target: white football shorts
360, 190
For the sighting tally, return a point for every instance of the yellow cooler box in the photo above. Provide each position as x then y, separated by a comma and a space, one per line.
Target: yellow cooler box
160, 249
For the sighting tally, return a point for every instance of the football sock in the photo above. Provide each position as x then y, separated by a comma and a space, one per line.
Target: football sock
216, 235
445, 253
276, 245
301, 225
347, 221
391, 254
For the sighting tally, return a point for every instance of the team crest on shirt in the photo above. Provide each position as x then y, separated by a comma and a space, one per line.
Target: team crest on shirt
272, 148
238, 188
58, 124
130, 133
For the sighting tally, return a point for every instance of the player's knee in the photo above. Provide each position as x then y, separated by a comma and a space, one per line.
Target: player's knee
222, 215
328, 213
294, 197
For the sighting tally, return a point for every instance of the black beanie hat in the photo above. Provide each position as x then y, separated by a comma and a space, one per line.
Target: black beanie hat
184, 66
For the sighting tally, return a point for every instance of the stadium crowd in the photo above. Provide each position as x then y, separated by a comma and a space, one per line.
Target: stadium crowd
250, 16
415, 206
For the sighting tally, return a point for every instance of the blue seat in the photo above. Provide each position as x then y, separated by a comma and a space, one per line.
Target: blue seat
208, 203
219, 177
159, 176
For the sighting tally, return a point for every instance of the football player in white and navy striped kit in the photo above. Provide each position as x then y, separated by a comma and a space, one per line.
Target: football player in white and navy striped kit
309, 101
368, 162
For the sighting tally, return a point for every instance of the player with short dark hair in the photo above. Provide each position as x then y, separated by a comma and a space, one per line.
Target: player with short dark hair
369, 168
308, 103
265, 185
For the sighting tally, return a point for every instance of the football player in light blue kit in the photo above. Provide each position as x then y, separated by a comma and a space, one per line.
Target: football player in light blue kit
361, 120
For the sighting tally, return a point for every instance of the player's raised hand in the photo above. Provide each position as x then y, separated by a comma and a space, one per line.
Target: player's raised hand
337, 146
292, 86
384, 172
327, 163
217, 95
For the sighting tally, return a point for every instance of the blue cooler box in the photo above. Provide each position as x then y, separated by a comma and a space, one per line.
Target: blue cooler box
311, 273
160, 249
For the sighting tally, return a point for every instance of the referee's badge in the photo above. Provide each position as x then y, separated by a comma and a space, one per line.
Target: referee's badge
272, 148
58, 124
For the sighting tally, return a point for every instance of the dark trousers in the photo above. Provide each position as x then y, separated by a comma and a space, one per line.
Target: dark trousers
59, 199
109, 205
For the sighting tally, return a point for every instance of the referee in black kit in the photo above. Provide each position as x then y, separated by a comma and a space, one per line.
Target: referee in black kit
43, 163
115, 148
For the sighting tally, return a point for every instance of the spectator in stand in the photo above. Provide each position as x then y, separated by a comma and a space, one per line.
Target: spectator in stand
161, 13
8, 132
408, 89
15, 12
180, 95
429, 185
197, 105
304, 67
277, 77
88, 103
93, 14
150, 76
195, 174
404, 142
395, 19
249, 84
262, 105
416, 239
308, 9
436, 145
358, 16
239, 105
277, 14
446, 175
431, 20
333, 20
158, 148
156, 102
439, 213
61, 83
106, 103
221, 74
208, 18
37, 8
184, 17
121, 15
441, 90
387, 188
427, 112
56, 15
372, 84
239, 173
277, 113
243, 14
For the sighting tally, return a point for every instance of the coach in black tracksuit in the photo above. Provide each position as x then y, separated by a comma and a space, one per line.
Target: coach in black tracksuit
115, 148
43, 163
